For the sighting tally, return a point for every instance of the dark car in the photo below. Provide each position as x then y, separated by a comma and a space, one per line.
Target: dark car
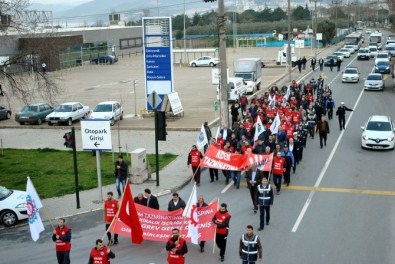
383, 67
106, 59
34, 113
4, 113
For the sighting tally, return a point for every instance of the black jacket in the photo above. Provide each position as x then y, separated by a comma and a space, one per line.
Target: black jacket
341, 111
123, 171
152, 202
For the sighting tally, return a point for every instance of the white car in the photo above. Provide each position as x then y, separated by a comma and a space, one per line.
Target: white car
368, 31
390, 48
350, 74
110, 110
346, 53
67, 113
382, 56
350, 48
374, 81
339, 55
373, 51
12, 206
204, 61
378, 133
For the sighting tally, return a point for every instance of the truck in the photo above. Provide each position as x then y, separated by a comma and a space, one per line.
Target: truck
250, 69
236, 88
282, 56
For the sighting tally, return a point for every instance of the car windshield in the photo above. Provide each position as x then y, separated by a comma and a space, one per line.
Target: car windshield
4, 193
363, 51
63, 108
383, 63
390, 48
245, 76
379, 126
373, 49
385, 56
374, 77
353, 71
103, 108
344, 50
31, 108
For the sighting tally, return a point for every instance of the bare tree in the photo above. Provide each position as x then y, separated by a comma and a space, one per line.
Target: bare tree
21, 74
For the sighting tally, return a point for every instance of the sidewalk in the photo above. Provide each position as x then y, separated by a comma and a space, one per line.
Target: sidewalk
174, 176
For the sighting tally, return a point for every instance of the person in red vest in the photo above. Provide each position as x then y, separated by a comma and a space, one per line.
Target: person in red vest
62, 237
110, 210
222, 219
194, 158
278, 170
100, 254
176, 247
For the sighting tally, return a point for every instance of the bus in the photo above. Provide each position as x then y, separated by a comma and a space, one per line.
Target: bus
353, 39
375, 37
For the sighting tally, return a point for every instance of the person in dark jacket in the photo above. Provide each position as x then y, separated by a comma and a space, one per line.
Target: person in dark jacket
265, 201
176, 203
254, 177
152, 201
250, 247
313, 63
304, 61
321, 63
338, 63
323, 130
140, 199
331, 63
234, 112
208, 134
120, 173
299, 63
341, 113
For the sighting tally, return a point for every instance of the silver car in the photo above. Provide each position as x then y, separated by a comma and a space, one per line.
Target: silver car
374, 81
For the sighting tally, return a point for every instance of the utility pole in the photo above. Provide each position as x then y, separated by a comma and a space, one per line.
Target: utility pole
224, 109
289, 60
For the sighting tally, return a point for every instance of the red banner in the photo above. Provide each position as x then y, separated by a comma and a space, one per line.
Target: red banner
157, 224
218, 159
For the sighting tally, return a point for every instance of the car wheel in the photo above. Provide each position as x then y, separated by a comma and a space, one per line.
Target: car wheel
50, 124
39, 121
8, 115
193, 65
8, 218
112, 121
211, 64
69, 121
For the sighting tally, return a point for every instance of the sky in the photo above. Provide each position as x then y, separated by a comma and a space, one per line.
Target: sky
59, 1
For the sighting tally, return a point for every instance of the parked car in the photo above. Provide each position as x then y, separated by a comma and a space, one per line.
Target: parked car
374, 81
106, 59
12, 206
383, 67
5, 113
204, 61
111, 110
350, 74
363, 54
378, 133
67, 113
33, 114
346, 52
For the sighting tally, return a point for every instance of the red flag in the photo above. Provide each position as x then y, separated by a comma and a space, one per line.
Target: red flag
128, 215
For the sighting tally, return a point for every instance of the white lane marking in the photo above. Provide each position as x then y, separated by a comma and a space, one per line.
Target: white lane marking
323, 171
227, 187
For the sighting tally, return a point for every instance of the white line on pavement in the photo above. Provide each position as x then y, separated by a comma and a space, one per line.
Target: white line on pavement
323, 171
227, 187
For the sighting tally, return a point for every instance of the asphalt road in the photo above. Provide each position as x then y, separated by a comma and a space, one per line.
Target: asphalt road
338, 209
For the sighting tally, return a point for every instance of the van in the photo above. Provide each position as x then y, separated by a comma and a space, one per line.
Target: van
236, 88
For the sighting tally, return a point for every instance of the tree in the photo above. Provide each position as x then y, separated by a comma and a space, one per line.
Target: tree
20, 74
327, 28
247, 16
298, 13
195, 19
265, 15
278, 14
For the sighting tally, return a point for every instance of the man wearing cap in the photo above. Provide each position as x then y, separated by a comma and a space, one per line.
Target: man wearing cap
329, 105
222, 219
341, 113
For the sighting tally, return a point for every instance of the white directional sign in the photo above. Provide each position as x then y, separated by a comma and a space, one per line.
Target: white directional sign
96, 134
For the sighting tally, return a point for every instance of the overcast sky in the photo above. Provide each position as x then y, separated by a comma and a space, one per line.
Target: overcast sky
59, 1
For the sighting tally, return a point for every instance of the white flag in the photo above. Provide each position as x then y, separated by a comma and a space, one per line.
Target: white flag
288, 93
275, 124
33, 205
259, 129
272, 101
201, 140
216, 134
190, 212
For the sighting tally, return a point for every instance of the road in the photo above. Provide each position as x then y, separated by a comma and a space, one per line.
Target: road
338, 208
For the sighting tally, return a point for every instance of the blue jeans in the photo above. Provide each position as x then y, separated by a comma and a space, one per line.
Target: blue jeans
236, 176
248, 262
118, 183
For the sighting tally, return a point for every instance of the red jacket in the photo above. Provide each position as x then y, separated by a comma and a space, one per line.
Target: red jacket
178, 256
60, 244
99, 256
194, 158
223, 219
110, 210
278, 165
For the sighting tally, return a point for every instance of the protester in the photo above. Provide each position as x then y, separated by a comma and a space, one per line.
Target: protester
100, 254
221, 219
323, 130
207, 130
176, 247
313, 63
152, 201
194, 158
110, 210
278, 170
121, 172
140, 199
200, 203
176, 203
62, 237
254, 177
250, 247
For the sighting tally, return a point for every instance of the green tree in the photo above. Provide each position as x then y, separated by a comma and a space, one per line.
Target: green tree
298, 13
179, 34
195, 19
248, 16
265, 15
278, 14
307, 13
178, 22
327, 28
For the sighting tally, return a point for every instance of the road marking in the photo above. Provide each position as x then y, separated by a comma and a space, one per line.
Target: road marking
340, 190
227, 187
323, 171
